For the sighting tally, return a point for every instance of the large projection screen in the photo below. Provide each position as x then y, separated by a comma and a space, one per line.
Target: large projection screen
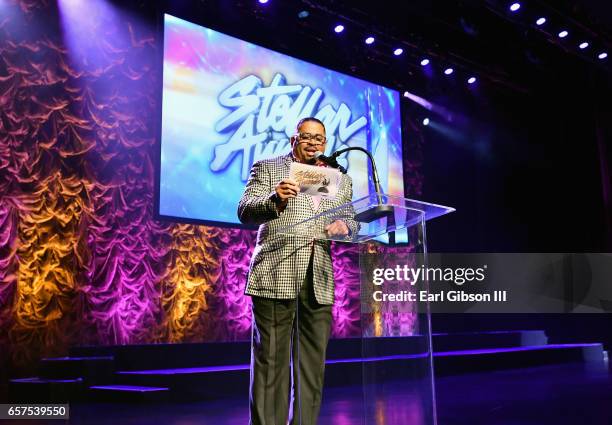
228, 103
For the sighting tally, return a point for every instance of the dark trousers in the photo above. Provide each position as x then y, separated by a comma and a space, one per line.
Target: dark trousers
275, 350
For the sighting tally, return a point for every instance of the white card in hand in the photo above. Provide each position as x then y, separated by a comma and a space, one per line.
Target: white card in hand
316, 181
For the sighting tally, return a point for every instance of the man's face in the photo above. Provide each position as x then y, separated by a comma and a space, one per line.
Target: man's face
304, 149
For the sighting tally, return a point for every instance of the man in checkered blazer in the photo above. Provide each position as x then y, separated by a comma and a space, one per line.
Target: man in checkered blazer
291, 282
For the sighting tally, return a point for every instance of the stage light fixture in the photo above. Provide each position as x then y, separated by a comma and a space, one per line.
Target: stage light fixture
339, 28
398, 51
426, 121
602, 55
263, 1
369, 40
471, 80
425, 62
515, 6
303, 14
449, 71
541, 21
563, 34
584, 45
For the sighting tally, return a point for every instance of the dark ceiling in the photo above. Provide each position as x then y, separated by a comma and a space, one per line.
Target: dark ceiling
503, 50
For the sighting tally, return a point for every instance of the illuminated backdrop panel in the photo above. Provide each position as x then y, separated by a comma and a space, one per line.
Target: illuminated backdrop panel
228, 103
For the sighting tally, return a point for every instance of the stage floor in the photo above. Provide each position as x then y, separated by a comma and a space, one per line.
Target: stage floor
559, 394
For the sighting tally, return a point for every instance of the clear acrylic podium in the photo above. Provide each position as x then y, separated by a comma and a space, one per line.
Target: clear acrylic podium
396, 385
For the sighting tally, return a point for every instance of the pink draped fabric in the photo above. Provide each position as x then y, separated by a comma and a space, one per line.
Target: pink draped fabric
82, 258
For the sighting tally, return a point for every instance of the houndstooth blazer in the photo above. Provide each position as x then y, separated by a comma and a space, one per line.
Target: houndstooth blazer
279, 263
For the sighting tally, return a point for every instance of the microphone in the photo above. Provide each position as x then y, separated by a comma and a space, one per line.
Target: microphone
376, 211
329, 160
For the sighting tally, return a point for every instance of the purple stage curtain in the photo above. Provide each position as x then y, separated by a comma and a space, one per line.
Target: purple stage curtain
82, 259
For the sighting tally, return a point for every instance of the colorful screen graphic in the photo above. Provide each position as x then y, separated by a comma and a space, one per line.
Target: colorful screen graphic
228, 103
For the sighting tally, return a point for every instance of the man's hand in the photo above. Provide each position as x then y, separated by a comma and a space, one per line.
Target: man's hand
337, 228
285, 189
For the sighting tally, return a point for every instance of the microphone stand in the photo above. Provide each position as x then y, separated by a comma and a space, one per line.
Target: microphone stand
377, 211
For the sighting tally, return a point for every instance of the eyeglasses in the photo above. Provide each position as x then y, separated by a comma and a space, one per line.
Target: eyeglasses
312, 139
